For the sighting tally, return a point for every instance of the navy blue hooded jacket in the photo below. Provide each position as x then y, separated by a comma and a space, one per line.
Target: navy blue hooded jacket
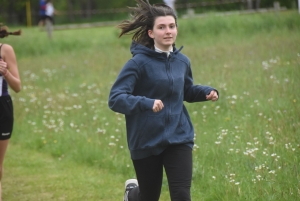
147, 76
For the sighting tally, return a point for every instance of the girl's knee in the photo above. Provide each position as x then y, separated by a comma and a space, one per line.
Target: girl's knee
181, 194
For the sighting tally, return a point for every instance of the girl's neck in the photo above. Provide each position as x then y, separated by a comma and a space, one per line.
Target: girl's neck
163, 51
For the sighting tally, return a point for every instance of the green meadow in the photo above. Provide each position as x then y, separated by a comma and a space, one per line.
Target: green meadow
68, 145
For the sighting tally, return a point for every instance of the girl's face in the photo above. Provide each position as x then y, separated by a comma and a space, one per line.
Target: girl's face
164, 32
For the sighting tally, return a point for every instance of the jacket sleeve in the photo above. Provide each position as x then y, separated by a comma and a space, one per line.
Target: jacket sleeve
121, 98
195, 93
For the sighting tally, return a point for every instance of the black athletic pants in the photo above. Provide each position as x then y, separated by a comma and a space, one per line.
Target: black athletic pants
177, 161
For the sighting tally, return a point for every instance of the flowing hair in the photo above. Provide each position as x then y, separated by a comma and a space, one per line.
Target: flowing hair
143, 17
4, 31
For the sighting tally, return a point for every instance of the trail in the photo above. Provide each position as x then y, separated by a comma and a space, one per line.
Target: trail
30, 175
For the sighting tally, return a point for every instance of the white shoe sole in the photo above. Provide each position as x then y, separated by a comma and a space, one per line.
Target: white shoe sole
131, 181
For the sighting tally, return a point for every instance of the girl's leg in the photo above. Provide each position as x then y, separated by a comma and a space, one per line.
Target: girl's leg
149, 172
3, 147
6, 127
178, 167
49, 27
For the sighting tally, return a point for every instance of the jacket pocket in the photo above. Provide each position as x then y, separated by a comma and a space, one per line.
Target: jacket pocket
151, 132
182, 130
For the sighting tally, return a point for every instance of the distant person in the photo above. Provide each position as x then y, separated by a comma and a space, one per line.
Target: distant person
50, 11
42, 13
150, 90
171, 4
9, 77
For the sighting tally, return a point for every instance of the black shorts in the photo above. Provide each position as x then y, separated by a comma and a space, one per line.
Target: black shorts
43, 17
50, 18
6, 117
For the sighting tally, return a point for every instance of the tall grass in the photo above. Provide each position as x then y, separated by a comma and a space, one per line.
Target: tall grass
246, 144
215, 24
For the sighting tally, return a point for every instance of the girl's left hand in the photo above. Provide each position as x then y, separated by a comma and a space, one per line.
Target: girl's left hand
213, 96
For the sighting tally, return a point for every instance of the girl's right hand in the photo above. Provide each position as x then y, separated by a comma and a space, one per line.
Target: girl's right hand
3, 67
157, 106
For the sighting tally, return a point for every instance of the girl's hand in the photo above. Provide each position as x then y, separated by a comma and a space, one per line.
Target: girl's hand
157, 106
3, 67
213, 96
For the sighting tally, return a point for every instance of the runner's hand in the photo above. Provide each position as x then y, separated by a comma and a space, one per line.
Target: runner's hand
213, 96
157, 106
3, 67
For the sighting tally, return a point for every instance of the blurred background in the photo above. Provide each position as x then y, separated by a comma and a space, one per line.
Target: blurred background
26, 12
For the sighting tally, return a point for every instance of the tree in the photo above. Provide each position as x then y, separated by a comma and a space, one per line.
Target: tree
14, 11
70, 10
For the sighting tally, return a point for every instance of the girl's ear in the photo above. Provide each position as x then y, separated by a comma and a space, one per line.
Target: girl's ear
150, 33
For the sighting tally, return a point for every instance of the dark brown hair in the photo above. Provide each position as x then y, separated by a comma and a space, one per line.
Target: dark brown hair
4, 31
142, 19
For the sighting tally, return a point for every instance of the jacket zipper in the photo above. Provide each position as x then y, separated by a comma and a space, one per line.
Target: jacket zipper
171, 89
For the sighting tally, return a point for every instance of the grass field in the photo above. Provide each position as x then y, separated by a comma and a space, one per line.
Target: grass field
68, 145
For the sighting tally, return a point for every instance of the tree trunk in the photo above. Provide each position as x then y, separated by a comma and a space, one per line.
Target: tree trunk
11, 13
70, 11
89, 9
249, 4
257, 4
85, 6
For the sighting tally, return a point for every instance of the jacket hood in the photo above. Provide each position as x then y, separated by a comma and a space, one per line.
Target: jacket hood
137, 48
